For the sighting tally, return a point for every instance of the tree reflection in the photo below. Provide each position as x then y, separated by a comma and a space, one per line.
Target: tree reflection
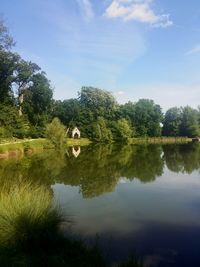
98, 169
183, 158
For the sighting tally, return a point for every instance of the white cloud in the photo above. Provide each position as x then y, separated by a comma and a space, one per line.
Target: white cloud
86, 9
166, 95
138, 10
195, 50
120, 92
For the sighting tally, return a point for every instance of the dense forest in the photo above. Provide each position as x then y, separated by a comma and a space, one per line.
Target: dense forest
27, 106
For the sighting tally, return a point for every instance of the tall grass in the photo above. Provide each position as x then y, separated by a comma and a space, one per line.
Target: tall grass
27, 216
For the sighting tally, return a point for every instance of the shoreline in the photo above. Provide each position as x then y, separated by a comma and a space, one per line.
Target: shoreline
18, 148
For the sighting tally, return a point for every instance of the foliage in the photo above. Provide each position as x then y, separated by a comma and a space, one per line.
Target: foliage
100, 132
181, 122
189, 122
124, 130
8, 64
56, 133
147, 117
99, 102
172, 122
6, 41
11, 124
37, 102
68, 111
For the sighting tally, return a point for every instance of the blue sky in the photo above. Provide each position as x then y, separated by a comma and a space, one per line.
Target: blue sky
134, 48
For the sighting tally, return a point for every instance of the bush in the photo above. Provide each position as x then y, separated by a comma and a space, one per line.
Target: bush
55, 132
4, 133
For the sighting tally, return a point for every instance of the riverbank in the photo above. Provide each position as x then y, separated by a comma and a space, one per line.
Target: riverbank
17, 148
159, 140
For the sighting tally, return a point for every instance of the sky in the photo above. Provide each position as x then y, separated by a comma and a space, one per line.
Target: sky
133, 48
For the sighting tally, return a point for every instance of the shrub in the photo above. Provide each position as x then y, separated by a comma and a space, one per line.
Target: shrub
55, 132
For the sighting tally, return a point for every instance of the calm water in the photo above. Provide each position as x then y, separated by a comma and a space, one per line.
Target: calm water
140, 200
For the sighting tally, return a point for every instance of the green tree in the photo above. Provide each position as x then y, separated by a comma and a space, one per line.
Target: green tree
11, 124
172, 122
124, 130
189, 122
100, 102
68, 111
147, 117
100, 132
23, 78
37, 102
55, 132
8, 64
6, 41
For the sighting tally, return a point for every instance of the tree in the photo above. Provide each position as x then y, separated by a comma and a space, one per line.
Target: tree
37, 103
124, 130
23, 75
55, 132
6, 41
68, 111
100, 102
100, 132
147, 117
11, 124
8, 61
8, 65
172, 122
189, 122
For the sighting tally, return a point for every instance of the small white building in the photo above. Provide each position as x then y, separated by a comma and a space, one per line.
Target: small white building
76, 134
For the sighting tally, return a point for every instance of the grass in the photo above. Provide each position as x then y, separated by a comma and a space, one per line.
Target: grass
17, 147
159, 140
20, 147
25, 212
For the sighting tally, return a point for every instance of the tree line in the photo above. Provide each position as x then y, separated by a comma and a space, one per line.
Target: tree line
27, 106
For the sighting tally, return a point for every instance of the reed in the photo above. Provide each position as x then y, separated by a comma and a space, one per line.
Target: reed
27, 216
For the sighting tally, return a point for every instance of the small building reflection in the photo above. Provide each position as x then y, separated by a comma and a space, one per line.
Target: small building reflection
76, 151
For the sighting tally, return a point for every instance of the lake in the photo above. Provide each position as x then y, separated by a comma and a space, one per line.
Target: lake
139, 200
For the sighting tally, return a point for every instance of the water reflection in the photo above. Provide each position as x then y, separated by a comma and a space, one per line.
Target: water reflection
98, 169
152, 201
182, 158
76, 151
